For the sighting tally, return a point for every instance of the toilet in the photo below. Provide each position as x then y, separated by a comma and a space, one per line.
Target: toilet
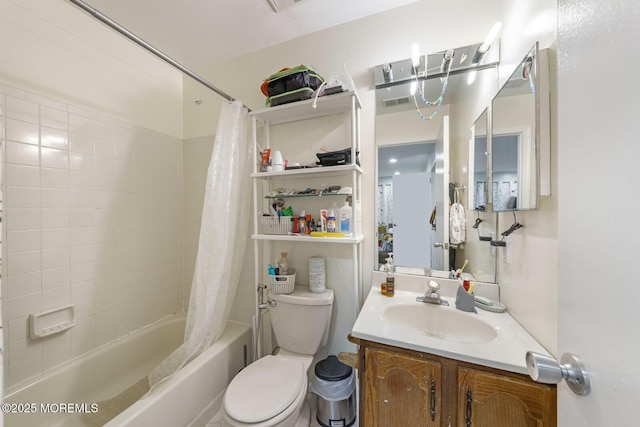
272, 391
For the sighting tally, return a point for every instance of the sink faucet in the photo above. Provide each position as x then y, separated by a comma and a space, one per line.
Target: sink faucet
432, 296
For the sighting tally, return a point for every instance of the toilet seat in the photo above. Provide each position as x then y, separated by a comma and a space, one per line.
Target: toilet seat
265, 389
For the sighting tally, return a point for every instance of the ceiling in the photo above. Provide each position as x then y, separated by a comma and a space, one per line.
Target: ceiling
410, 158
203, 32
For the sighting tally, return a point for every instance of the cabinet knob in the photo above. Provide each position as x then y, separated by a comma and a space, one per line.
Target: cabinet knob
547, 370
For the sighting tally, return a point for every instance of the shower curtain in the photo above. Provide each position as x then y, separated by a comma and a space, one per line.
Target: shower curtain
222, 242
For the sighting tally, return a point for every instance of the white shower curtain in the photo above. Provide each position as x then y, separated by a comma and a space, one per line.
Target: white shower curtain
223, 235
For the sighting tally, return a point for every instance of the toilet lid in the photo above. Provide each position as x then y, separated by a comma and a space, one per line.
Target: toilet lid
264, 389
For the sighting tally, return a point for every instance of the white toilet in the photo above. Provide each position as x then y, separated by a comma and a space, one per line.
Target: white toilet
272, 391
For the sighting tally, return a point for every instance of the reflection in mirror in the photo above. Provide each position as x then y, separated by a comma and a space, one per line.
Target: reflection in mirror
478, 158
405, 200
514, 143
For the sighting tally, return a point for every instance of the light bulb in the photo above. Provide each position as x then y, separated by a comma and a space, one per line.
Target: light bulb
415, 55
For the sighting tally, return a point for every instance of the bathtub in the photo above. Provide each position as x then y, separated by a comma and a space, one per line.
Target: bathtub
72, 394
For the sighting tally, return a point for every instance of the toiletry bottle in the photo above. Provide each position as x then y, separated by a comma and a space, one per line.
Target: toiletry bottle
390, 279
345, 218
303, 223
383, 285
308, 224
283, 263
331, 222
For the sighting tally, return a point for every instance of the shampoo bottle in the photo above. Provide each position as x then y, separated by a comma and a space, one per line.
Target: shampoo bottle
331, 222
345, 218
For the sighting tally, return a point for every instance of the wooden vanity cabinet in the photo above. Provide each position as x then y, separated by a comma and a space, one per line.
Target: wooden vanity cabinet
406, 388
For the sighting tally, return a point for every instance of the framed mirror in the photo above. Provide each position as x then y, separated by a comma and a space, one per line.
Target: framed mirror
419, 149
515, 139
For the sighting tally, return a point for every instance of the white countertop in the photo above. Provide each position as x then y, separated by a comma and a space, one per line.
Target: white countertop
507, 351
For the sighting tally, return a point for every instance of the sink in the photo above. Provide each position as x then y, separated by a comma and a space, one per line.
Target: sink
440, 322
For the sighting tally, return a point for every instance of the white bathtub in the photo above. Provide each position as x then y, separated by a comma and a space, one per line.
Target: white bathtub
190, 398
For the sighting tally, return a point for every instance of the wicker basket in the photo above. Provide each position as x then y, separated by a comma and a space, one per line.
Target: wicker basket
283, 283
276, 224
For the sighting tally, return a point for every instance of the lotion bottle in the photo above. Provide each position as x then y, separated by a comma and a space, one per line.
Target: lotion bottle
345, 218
390, 284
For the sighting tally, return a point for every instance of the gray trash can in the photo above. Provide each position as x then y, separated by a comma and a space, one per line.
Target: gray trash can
334, 385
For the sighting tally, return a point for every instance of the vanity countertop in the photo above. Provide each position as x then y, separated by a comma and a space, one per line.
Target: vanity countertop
506, 351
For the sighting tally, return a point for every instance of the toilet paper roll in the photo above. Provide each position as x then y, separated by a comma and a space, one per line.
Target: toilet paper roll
317, 277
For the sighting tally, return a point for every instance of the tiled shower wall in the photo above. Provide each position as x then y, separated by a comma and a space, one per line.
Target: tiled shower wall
93, 217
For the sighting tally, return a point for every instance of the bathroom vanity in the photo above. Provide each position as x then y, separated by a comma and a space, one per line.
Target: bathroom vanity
436, 366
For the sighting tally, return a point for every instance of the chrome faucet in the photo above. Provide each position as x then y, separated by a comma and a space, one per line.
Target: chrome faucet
432, 296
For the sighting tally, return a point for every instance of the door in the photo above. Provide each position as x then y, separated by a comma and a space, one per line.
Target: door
440, 254
411, 211
598, 231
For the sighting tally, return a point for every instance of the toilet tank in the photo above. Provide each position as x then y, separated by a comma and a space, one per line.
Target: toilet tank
301, 319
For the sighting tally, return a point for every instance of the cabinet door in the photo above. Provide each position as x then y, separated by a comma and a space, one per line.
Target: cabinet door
401, 390
490, 400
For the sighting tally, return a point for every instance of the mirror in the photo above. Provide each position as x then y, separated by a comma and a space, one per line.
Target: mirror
515, 139
420, 148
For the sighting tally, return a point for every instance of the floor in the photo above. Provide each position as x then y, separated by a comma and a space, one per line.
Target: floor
218, 421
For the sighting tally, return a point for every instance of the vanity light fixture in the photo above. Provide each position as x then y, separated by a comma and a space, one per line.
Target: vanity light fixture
482, 50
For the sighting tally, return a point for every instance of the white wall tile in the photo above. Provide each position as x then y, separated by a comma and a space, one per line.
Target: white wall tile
81, 254
55, 258
24, 154
23, 262
81, 161
54, 138
55, 238
54, 118
24, 369
24, 176
23, 284
56, 277
54, 178
22, 109
54, 217
23, 306
23, 197
54, 158
54, 198
19, 131
23, 240
56, 297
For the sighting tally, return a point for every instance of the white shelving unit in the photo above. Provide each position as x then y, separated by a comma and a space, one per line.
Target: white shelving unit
346, 104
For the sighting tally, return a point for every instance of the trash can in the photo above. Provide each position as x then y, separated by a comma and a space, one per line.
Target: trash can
334, 385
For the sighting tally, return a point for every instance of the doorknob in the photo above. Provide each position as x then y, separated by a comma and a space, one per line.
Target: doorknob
442, 245
546, 369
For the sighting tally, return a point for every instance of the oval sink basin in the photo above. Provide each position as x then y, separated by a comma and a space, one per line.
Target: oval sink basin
438, 322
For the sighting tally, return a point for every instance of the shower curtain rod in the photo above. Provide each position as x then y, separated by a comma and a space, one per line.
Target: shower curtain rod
128, 34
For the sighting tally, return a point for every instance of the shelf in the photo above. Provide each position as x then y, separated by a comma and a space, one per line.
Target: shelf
285, 237
294, 196
301, 110
319, 171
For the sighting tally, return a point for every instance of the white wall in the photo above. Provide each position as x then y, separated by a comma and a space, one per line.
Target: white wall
92, 180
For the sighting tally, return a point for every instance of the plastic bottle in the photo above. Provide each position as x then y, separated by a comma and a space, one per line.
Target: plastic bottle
345, 218
331, 222
283, 263
302, 220
390, 285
